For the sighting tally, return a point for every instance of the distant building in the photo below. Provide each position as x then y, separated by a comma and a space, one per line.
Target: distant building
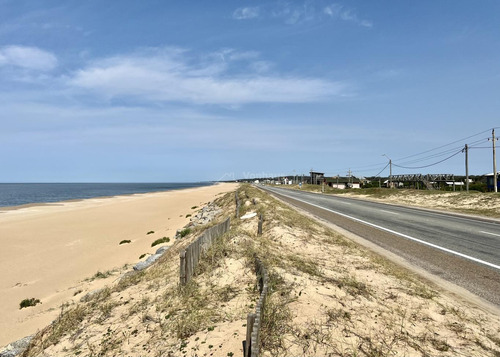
489, 182
342, 183
317, 177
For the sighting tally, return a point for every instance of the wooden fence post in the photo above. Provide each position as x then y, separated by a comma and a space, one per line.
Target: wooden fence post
183, 267
259, 228
190, 257
248, 342
237, 204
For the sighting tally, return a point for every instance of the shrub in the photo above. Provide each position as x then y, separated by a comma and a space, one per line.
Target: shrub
150, 232
142, 256
478, 186
194, 207
125, 241
160, 241
28, 303
101, 275
185, 232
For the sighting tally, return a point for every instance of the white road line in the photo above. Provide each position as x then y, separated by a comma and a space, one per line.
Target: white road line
383, 210
493, 234
402, 235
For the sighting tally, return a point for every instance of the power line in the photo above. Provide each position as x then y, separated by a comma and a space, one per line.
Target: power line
421, 167
442, 146
432, 154
382, 170
454, 150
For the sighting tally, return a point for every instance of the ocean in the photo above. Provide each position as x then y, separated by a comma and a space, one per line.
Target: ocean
15, 194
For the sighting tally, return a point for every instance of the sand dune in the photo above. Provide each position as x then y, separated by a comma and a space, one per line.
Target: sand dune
48, 251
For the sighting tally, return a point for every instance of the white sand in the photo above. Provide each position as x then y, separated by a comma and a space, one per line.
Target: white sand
48, 251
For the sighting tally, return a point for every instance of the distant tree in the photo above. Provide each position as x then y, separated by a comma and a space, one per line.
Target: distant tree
478, 186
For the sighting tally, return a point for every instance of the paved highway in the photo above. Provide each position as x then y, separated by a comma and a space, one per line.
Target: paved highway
463, 250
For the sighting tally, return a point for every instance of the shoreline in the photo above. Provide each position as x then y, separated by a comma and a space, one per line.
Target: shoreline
53, 252
58, 203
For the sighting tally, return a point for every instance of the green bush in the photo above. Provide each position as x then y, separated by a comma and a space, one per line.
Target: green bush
142, 256
125, 241
150, 232
160, 241
28, 303
478, 186
185, 232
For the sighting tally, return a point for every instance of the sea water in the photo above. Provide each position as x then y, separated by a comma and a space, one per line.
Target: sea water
15, 194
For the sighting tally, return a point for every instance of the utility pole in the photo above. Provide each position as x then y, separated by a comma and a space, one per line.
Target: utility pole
466, 149
494, 161
390, 173
390, 170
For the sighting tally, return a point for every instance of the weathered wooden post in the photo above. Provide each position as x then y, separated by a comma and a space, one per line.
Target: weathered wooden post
259, 228
237, 204
183, 267
247, 348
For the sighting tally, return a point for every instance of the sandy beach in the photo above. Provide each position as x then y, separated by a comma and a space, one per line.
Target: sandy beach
51, 252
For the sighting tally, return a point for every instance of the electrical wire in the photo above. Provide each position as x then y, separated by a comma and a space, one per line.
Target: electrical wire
421, 167
382, 170
455, 150
442, 146
443, 153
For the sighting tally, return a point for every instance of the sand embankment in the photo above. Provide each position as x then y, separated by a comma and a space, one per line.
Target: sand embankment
47, 252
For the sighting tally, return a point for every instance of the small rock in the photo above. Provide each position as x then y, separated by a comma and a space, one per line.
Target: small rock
151, 259
16, 348
248, 215
162, 250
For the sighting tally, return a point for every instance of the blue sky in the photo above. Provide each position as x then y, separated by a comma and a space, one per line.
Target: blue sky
123, 91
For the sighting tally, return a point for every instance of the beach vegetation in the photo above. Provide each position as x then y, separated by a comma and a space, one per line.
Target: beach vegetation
160, 241
125, 241
194, 207
185, 232
150, 232
188, 215
100, 275
142, 255
28, 303
326, 296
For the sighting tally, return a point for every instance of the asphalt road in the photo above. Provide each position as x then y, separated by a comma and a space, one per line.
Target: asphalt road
462, 250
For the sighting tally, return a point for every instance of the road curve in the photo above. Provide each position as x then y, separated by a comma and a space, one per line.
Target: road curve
462, 250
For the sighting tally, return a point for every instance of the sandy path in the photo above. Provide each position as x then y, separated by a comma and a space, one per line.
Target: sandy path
47, 251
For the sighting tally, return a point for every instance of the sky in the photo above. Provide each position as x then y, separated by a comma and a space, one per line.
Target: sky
173, 91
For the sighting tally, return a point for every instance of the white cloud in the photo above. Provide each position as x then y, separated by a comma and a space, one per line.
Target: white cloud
295, 14
261, 66
31, 58
339, 11
244, 13
175, 77
306, 12
333, 10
